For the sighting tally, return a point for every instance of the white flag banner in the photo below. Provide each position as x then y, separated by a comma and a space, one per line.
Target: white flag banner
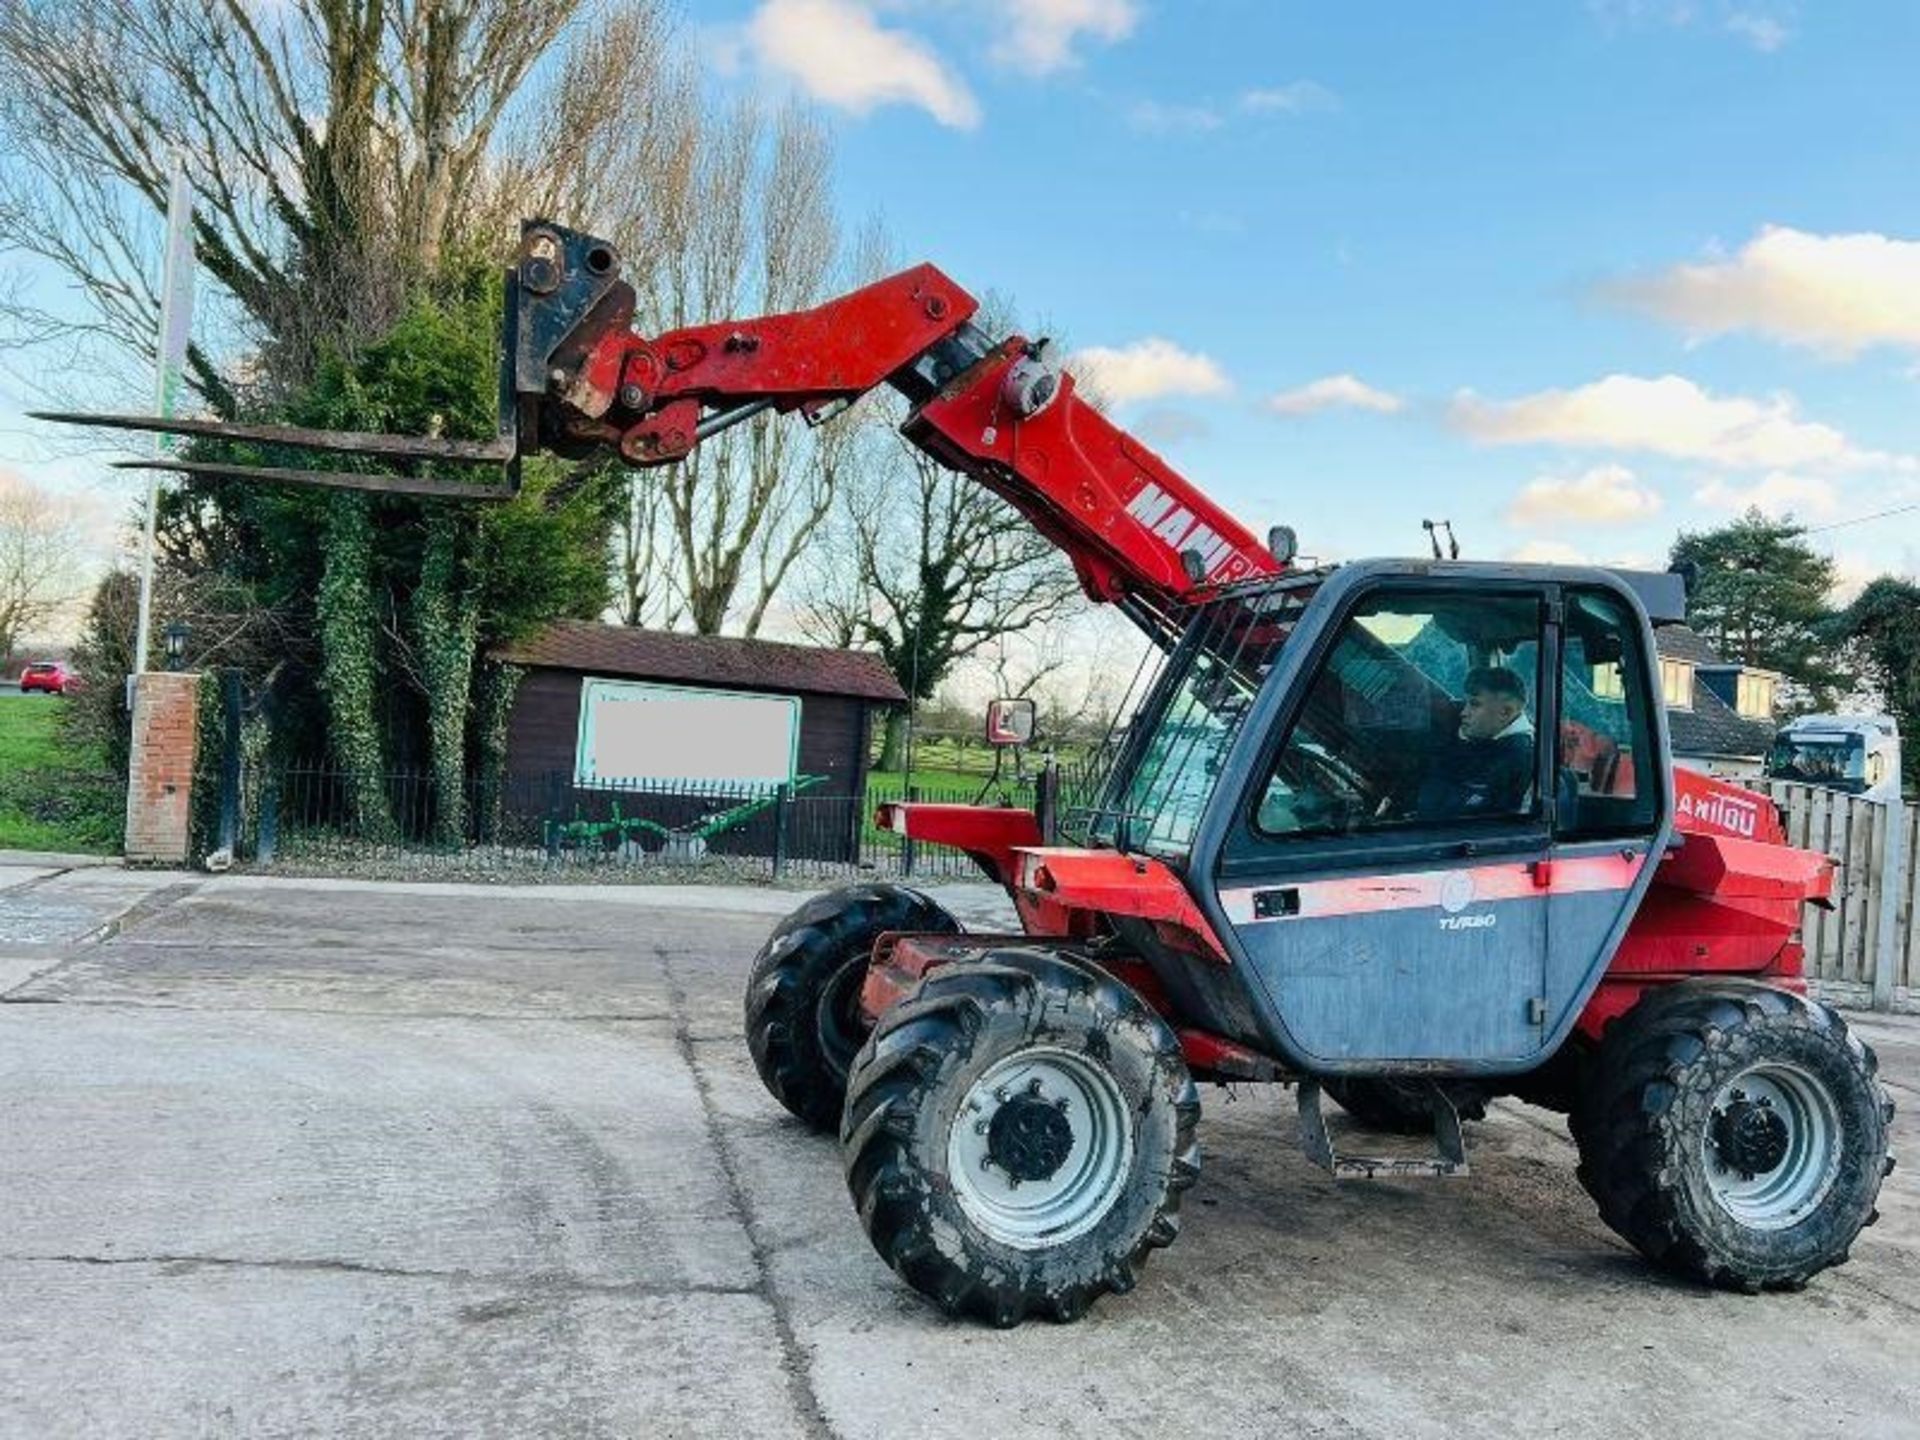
170, 378
176, 305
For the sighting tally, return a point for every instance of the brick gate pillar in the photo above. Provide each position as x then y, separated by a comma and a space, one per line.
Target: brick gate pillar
166, 714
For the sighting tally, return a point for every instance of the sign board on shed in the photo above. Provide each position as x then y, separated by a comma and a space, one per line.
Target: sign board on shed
637, 733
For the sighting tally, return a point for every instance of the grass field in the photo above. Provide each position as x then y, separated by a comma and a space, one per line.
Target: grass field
892, 784
51, 796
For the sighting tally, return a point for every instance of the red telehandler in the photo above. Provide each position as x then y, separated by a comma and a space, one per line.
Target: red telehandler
1403, 833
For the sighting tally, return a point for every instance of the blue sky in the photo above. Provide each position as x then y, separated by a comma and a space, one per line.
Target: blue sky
1393, 253
1573, 274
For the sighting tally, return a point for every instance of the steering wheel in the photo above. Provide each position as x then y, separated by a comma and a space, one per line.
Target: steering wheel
1324, 810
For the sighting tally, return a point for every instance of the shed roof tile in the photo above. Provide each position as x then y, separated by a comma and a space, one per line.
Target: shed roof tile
722, 660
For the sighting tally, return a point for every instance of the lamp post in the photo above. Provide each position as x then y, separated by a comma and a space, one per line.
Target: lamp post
176, 638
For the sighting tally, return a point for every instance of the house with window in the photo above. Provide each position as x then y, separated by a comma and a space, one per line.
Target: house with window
1720, 713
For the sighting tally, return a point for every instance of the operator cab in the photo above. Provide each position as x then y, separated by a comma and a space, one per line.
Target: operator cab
1388, 787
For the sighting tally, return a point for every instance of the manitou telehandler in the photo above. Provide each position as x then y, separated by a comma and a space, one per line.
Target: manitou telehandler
1400, 832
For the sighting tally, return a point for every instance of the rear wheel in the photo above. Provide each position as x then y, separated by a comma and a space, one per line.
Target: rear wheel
803, 994
1734, 1133
1018, 1135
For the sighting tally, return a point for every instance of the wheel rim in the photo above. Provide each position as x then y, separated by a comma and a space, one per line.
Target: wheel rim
1040, 1148
1772, 1146
837, 1018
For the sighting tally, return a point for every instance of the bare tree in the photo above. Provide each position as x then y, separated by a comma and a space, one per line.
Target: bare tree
931, 569
41, 559
925, 565
644, 573
740, 221
336, 150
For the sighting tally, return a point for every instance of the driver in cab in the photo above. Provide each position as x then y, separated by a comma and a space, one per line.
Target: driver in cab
1487, 767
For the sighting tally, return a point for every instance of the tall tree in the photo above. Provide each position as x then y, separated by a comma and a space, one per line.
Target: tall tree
745, 226
918, 562
40, 559
412, 591
1882, 627
930, 569
1761, 597
337, 150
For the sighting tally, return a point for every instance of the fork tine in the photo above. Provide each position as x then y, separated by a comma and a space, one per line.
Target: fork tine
336, 479
346, 442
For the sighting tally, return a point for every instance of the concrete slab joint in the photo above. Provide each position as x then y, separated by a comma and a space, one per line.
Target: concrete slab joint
166, 715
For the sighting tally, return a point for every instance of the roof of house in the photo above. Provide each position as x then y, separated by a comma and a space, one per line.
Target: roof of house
1713, 727
720, 660
1710, 726
1682, 642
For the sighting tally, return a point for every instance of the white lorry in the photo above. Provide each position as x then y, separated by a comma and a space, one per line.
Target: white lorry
1859, 754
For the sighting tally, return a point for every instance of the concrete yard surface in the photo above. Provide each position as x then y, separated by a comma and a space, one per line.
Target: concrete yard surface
298, 1158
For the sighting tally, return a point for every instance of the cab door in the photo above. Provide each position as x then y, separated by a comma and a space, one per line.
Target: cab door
1385, 878
1609, 790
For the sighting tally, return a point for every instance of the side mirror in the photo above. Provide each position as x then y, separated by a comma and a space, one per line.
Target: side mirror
1010, 722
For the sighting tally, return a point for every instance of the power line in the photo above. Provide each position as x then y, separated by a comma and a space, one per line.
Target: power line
1862, 519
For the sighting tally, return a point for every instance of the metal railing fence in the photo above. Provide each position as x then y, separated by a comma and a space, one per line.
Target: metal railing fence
322, 818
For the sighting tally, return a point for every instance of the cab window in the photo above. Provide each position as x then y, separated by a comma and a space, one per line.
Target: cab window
1422, 714
1607, 775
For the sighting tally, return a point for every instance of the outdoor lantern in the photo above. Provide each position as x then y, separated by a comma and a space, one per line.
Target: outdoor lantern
177, 634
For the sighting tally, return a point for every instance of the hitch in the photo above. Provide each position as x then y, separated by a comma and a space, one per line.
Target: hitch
1450, 1145
561, 298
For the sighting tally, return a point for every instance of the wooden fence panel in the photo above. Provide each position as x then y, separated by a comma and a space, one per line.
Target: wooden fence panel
1907, 943
1845, 945
1859, 872
1823, 926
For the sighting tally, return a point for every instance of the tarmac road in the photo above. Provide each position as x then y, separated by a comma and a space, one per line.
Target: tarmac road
284, 1157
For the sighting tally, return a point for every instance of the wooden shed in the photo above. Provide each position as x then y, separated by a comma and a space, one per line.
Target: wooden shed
573, 667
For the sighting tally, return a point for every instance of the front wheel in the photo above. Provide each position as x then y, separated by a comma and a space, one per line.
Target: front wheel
1018, 1135
1735, 1134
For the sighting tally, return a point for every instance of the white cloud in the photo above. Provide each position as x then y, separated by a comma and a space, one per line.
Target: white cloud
1296, 97
1852, 575
1038, 36
1762, 26
1604, 495
1837, 293
1776, 494
1666, 416
1147, 370
1333, 392
1154, 117
841, 55
1167, 426
1763, 32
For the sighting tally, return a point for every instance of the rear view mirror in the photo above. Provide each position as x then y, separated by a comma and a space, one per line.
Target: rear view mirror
1010, 722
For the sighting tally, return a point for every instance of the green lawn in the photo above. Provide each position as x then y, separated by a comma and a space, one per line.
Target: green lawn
892, 784
52, 797
28, 731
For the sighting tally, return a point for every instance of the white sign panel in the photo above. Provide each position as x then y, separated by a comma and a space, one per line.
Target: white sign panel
634, 733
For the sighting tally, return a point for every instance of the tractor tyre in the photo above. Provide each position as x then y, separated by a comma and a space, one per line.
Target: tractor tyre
1734, 1133
1398, 1107
1018, 1134
803, 994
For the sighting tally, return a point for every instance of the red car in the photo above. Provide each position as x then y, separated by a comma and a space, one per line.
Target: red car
51, 676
